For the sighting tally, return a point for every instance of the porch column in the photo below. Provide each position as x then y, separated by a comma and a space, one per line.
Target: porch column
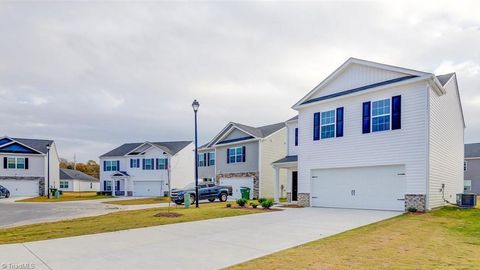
276, 185
113, 188
125, 189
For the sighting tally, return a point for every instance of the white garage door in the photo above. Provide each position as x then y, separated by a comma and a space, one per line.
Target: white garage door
379, 187
148, 188
236, 183
21, 187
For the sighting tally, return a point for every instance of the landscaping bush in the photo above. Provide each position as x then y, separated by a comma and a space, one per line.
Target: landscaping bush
412, 209
253, 204
260, 200
267, 203
241, 202
229, 205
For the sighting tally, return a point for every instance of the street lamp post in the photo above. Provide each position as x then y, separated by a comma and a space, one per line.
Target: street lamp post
48, 171
195, 106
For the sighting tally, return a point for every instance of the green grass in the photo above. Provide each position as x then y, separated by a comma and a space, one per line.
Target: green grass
68, 196
141, 201
448, 238
116, 221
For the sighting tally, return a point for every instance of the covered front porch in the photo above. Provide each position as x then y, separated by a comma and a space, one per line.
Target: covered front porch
118, 184
288, 163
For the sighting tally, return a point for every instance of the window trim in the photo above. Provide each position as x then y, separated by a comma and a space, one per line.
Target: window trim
334, 123
15, 163
381, 115
470, 186
152, 164
210, 158
163, 166
201, 160
235, 155
63, 182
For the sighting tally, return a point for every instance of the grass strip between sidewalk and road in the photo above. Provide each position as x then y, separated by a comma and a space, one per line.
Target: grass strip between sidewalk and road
117, 221
67, 197
448, 238
140, 201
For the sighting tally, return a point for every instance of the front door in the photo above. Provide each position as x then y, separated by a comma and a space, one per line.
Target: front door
294, 186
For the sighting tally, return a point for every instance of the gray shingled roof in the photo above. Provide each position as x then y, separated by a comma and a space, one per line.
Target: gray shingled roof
293, 118
262, 131
472, 150
67, 174
287, 159
39, 145
173, 147
445, 78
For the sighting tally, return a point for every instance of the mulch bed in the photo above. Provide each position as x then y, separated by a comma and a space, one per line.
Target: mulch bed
258, 208
290, 206
168, 214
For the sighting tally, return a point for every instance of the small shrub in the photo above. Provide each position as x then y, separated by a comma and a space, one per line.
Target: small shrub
412, 209
254, 204
229, 205
267, 203
260, 200
241, 202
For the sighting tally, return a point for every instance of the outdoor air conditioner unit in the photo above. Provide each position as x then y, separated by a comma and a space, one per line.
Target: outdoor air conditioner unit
467, 200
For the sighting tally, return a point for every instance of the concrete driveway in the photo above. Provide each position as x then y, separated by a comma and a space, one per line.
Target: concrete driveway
209, 244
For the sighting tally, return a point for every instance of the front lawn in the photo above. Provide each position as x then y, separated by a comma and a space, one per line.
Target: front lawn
122, 220
448, 238
68, 196
141, 201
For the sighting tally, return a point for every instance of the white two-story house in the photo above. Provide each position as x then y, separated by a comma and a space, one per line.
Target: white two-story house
28, 165
147, 169
241, 156
375, 136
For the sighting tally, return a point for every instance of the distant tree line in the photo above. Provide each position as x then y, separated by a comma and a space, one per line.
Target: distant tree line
91, 167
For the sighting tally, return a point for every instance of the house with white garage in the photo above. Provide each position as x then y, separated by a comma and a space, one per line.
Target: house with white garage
241, 156
28, 165
77, 181
376, 136
471, 168
147, 169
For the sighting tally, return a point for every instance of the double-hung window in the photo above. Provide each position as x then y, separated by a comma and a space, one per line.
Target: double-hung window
12, 164
201, 160
135, 163
211, 159
16, 163
161, 163
327, 125
111, 165
235, 155
63, 184
148, 163
381, 115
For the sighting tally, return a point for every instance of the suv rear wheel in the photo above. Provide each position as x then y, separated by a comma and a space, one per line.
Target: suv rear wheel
7, 195
192, 198
223, 197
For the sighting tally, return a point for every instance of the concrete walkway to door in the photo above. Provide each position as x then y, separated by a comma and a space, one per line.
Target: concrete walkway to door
209, 244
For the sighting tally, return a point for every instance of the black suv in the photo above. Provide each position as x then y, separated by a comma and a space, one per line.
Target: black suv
4, 192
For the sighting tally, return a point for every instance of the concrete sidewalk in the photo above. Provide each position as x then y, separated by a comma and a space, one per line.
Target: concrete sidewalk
209, 244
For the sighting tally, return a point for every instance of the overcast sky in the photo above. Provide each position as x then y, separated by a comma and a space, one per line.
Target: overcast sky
92, 76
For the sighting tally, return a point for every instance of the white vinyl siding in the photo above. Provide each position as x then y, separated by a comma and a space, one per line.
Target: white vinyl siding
272, 149
446, 147
404, 146
292, 148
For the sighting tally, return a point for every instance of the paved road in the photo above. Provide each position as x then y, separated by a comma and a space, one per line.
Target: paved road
209, 244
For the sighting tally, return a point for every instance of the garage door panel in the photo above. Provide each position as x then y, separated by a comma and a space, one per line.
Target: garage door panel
236, 183
21, 187
148, 188
379, 187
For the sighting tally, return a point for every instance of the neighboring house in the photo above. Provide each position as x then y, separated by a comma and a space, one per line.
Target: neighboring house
146, 169
375, 136
471, 167
77, 181
27, 165
242, 156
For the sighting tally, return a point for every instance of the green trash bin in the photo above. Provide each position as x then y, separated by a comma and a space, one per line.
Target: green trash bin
245, 191
186, 200
57, 194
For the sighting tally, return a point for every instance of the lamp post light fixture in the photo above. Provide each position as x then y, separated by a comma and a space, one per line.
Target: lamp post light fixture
195, 106
48, 171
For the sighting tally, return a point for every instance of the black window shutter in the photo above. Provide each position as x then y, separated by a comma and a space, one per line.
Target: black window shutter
339, 124
131, 163
143, 164
316, 126
296, 136
397, 112
104, 165
228, 155
26, 163
205, 160
5, 162
156, 164
366, 117
244, 153
166, 164
152, 161
118, 165
208, 160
